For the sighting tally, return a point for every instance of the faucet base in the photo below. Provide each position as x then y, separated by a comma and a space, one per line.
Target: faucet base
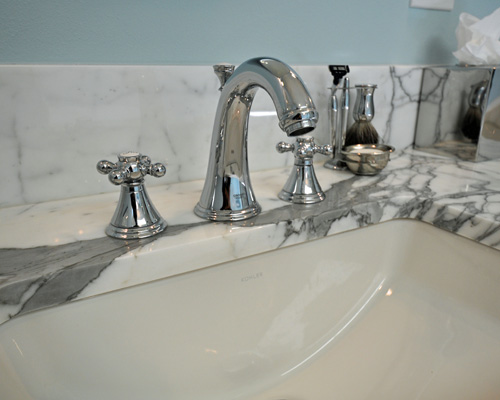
136, 232
227, 215
300, 198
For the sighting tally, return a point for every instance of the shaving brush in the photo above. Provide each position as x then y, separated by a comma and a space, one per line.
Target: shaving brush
362, 131
471, 124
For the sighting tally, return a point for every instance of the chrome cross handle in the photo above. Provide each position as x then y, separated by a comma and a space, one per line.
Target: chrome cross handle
135, 216
131, 168
304, 148
302, 186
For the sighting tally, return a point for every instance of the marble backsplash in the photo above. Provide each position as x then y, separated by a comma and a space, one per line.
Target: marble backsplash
58, 121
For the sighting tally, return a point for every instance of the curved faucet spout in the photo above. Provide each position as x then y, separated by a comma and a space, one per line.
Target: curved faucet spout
227, 194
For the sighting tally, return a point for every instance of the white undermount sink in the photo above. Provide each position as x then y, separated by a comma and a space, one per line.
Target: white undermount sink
399, 310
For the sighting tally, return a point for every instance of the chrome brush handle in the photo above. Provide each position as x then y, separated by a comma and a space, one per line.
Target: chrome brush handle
364, 108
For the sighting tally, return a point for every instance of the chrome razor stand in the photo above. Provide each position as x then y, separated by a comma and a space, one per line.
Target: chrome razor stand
338, 126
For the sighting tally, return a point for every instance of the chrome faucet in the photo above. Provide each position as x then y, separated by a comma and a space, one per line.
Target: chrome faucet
228, 194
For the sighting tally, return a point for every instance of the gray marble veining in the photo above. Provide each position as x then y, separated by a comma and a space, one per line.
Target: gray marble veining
52, 275
458, 196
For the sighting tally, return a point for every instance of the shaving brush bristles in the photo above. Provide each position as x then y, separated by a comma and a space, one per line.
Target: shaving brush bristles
471, 124
361, 132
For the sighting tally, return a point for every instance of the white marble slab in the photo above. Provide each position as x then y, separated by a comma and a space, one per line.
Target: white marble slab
58, 121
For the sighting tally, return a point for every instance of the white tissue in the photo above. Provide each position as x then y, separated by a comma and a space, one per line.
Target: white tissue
478, 39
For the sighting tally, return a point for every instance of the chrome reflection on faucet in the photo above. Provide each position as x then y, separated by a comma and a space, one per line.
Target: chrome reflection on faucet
228, 194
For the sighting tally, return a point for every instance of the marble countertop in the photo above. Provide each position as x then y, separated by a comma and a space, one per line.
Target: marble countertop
56, 252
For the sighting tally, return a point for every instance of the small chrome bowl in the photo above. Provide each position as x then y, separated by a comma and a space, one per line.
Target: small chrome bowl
367, 159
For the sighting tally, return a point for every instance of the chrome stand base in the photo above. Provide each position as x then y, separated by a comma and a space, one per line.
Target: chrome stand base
336, 164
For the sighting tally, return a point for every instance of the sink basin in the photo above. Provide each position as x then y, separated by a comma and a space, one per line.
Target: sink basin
399, 310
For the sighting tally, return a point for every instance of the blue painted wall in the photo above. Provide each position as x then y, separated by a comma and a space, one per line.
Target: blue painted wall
205, 32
